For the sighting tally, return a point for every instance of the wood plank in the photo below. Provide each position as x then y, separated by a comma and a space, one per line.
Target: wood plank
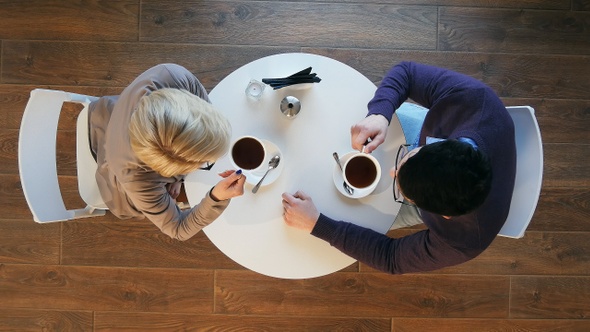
26, 242
510, 30
562, 209
129, 321
14, 205
106, 288
99, 242
137, 243
14, 98
66, 139
23, 320
550, 297
537, 253
509, 75
523, 76
118, 64
581, 5
362, 295
252, 22
70, 20
560, 120
489, 325
566, 165
9, 151
537, 4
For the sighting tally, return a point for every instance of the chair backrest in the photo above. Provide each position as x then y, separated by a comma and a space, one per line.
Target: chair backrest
86, 165
529, 171
37, 158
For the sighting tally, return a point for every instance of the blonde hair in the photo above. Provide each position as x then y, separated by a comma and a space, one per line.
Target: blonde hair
174, 132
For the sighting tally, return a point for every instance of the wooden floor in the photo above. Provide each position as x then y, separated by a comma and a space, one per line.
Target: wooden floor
103, 274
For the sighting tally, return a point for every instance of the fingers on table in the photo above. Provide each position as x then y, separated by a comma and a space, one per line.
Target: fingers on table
287, 198
288, 202
302, 195
295, 198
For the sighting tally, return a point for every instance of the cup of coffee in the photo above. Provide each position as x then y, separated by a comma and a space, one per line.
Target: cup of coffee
248, 153
362, 171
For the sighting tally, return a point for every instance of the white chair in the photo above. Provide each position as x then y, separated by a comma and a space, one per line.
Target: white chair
529, 171
37, 158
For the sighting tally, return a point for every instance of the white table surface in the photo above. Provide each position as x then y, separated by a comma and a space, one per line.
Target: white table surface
251, 231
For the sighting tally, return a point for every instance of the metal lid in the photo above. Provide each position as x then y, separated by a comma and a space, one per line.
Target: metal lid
290, 106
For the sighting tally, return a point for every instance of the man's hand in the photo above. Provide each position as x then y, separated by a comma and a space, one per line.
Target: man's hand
232, 185
373, 127
300, 212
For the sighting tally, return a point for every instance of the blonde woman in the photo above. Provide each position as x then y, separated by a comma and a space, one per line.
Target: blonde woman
146, 140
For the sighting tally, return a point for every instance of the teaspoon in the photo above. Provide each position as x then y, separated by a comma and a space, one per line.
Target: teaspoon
272, 164
348, 189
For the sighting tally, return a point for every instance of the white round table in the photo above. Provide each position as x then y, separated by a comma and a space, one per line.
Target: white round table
251, 231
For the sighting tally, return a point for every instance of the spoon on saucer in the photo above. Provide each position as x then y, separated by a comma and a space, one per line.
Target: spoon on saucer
272, 164
348, 188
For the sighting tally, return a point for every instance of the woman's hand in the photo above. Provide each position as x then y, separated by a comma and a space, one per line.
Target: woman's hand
174, 189
232, 185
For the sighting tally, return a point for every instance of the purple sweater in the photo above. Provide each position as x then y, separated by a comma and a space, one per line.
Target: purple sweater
459, 106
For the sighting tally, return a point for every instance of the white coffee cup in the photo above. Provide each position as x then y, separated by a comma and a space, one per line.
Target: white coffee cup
248, 153
361, 171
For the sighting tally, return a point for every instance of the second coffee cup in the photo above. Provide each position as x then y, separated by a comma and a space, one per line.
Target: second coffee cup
248, 153
362, 171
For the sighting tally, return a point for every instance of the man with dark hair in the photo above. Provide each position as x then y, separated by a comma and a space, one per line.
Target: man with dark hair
461, 175
457, 177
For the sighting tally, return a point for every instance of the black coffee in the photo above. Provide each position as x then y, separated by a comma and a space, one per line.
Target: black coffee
360, 172
247, 153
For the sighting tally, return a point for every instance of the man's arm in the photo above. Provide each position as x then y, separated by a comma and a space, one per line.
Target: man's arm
424, 84
421, 251
418, 252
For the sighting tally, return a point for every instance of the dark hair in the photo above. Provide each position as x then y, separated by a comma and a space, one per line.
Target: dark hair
449, 178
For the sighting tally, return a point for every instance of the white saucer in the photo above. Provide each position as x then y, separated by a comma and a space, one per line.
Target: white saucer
299, 86
271, 151
339, 180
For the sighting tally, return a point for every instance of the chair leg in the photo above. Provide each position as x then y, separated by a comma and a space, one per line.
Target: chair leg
88, 211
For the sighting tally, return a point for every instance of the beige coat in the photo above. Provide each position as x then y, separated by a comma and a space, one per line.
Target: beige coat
129, 187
